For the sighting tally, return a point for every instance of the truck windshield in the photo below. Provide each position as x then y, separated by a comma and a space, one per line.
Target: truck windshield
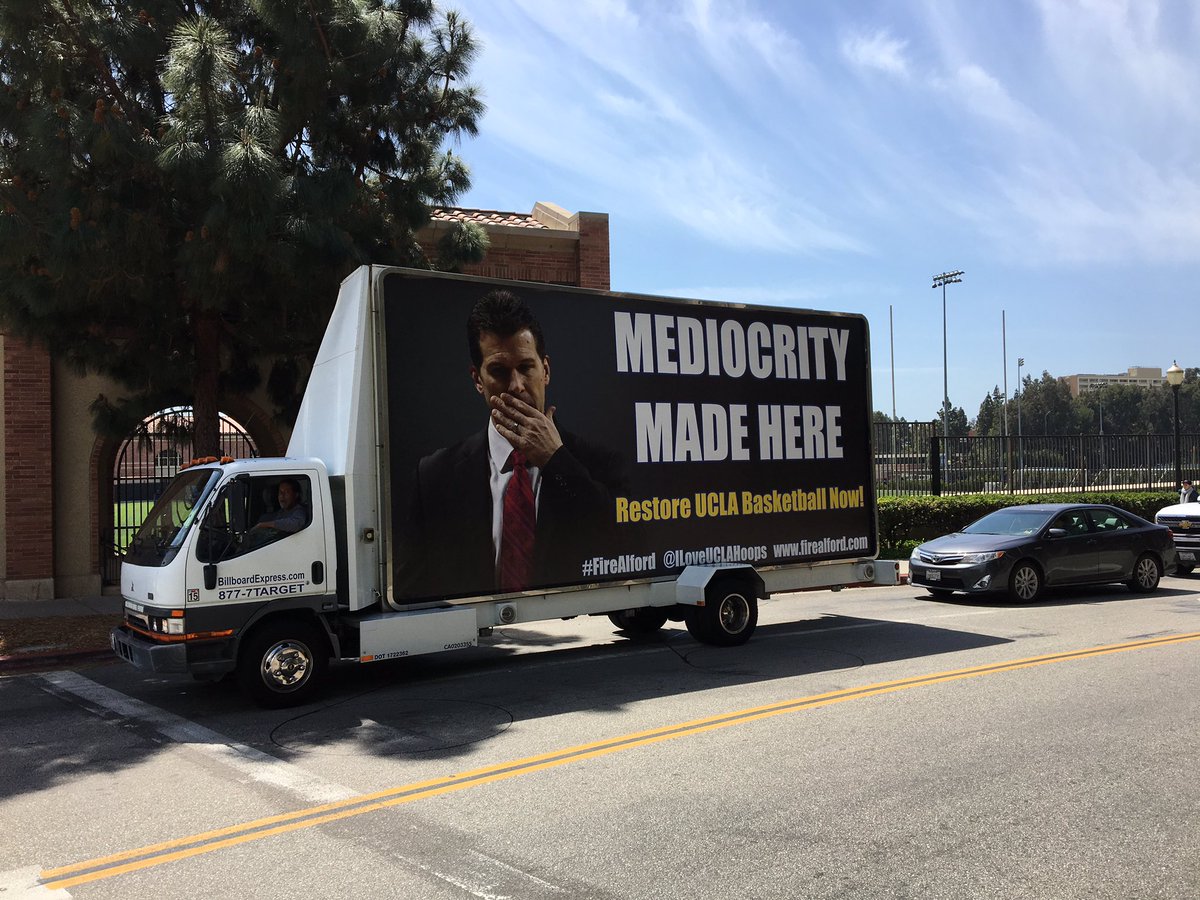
164, 530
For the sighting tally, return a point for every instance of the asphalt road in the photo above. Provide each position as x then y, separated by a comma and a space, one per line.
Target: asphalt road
867, 743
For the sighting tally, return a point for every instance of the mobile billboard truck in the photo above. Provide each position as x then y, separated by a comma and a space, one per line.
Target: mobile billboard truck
677, 460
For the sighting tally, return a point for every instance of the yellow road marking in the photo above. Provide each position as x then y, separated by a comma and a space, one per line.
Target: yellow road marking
233, 835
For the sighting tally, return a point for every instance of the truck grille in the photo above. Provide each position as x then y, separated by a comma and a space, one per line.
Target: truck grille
122, 650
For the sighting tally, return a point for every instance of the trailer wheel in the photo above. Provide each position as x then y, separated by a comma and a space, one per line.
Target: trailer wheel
728, 616
283, 663
639, 621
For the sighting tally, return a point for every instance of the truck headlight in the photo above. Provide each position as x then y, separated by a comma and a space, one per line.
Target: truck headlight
172, 625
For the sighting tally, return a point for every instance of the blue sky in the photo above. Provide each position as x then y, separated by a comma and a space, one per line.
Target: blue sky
837, 155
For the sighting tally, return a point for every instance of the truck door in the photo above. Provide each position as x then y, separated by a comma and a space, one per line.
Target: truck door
262, 539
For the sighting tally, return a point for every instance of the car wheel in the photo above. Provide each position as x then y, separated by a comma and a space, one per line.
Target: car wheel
1146, 574
1025, 583
639, 621
1181, 569
940, 593
283, 663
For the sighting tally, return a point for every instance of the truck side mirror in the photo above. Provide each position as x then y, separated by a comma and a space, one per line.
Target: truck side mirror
239, 504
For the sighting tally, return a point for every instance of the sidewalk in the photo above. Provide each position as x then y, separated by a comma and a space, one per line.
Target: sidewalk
41, 634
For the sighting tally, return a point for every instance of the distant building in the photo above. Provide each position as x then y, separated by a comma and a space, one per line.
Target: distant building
1142, 376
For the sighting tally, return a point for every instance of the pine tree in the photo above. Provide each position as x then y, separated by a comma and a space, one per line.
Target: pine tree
184, 184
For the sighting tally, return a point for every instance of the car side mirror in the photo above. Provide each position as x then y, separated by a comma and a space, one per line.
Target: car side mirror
1056, 533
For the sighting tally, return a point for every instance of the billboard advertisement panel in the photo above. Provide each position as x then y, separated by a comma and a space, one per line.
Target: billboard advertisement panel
651, 434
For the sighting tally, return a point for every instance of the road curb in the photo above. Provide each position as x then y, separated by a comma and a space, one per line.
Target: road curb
20, 662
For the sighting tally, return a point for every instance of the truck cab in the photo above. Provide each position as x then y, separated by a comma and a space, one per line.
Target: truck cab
220, 561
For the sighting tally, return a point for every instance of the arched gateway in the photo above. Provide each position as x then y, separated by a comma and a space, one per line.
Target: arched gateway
146, 460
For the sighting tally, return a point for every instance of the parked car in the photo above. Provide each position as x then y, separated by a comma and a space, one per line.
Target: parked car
1020, 550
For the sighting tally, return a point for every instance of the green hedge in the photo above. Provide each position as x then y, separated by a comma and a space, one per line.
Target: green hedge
905, 522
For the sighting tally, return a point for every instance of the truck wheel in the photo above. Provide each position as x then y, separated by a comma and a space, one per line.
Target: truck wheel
728, 616
639, 621
1181, 569
283, 663
1146, 574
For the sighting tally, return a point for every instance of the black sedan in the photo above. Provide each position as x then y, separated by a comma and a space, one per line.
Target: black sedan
1022, 549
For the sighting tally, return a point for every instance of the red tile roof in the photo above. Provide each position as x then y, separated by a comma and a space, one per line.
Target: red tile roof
484, 217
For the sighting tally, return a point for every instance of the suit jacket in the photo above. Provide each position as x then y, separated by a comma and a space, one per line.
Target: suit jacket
446, 548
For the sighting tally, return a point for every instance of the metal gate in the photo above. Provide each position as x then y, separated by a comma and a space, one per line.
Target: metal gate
146, 461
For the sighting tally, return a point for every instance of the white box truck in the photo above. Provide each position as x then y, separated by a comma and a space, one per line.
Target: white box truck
472, 453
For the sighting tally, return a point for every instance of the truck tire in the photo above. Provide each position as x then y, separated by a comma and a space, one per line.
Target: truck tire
283, 662
639, 621
728, 616
1181, 569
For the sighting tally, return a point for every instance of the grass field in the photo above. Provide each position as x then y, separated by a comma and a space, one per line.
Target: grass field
127, 516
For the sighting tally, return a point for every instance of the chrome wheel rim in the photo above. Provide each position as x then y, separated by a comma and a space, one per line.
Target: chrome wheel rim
1147, 573
734, 614
286, 666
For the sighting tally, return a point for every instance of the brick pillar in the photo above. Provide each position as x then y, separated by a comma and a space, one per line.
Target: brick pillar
28, 473
593, 249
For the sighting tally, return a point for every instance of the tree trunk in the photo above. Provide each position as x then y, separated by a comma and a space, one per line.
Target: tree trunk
206, 435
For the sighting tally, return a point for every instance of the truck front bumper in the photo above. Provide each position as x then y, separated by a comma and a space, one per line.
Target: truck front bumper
198, 658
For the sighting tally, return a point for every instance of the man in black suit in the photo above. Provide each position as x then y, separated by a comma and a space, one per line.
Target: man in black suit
520, 504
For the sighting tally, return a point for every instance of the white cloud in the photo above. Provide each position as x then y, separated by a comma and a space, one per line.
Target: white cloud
738, 42
878, 51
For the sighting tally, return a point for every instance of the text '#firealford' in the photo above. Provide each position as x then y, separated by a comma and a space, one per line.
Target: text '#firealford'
714, 504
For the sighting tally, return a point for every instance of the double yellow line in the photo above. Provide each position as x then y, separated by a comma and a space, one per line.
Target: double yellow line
211, 841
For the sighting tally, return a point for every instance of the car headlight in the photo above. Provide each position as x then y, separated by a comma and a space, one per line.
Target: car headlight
974, 559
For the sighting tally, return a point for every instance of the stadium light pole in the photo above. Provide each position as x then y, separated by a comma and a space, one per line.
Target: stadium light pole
1175, 379
1020, 443
941, 281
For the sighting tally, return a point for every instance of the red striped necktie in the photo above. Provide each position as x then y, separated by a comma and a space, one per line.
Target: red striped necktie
515, 567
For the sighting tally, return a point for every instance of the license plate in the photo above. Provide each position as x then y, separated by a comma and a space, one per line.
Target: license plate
933, 575
1187, 555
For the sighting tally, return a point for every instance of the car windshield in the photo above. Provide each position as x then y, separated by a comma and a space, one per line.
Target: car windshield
164, 529
1016, 522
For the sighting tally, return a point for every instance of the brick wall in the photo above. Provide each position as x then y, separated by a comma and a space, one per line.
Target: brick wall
28, 466
571, 249
517, 264
593, 250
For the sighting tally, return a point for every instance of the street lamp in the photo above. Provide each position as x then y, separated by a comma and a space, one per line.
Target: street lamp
941, 281
1175, 379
